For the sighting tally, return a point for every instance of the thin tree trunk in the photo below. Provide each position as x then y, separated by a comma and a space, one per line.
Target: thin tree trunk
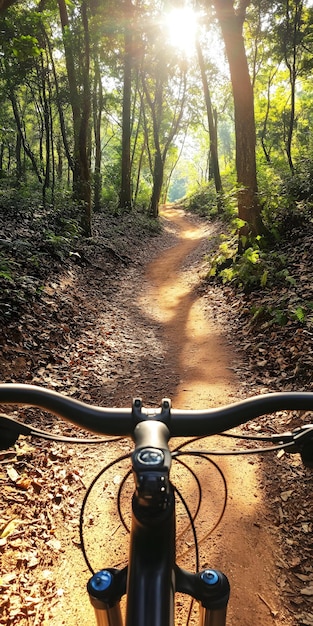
125, 193
46, 119
156, 107
97, 113
211, 123
158, 173
264, 128
84, 187
138, 174
58, 104
293, 35
80, 104
25, 145
18, 158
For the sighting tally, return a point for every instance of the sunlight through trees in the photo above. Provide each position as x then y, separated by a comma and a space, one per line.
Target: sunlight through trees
114, 103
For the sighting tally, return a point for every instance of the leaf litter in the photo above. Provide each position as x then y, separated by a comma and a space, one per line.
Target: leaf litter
80, 338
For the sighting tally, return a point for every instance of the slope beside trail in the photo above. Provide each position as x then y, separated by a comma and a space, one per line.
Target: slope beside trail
151, 336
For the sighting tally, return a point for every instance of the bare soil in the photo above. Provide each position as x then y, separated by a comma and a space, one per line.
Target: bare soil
150, 335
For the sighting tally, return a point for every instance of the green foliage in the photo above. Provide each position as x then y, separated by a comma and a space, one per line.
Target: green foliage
203, 202
268, 277
281, 313
6, 270
256, 268
287, 199
25, 46
300, 314
143, 196
207, 203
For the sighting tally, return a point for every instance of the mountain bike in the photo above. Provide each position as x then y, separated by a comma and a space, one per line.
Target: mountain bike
152, 577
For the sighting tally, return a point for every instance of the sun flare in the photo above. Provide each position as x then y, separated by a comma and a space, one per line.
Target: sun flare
181, 25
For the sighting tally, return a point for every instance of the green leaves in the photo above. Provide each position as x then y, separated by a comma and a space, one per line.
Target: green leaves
25, 46
300, 314
251, 255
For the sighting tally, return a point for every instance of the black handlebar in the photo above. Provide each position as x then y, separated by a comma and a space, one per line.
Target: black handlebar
182, 423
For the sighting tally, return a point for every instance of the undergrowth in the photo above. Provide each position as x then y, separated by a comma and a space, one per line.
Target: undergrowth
37, 241
267, 264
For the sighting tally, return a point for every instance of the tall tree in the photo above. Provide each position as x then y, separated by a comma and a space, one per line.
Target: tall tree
80, 99
292, 28
97, 110
165, 125
5, 4
125, 193
211, 121
231, 19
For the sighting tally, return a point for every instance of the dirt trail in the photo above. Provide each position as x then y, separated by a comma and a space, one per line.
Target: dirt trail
196, 346
170, 346
243, 546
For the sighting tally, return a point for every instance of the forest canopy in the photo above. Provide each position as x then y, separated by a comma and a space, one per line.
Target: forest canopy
122, 105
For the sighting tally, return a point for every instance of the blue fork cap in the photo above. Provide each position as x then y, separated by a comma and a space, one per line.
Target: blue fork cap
210, 577
101, 581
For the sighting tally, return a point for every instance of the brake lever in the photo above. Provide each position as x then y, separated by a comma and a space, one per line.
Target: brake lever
301, 439
303, 444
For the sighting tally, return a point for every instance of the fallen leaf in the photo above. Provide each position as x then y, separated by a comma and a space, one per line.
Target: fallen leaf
12, 473
7, 579
286, 494
307, 591
9, 528
54, 544
24, 483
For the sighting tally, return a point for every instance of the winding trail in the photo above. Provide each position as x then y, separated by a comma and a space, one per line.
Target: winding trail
192, 363
243, 546
196, 345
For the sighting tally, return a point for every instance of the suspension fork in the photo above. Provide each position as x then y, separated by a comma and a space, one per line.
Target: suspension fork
149, 580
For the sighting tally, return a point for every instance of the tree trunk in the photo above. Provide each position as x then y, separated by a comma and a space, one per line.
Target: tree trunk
24, 143
58, 103
97, 114
46, 119
231, 23
156, 105
292, 38
80, 104
138, 174
84, 132
5, 4
264, 128
18, 158
211, 123
158, 173
125, 193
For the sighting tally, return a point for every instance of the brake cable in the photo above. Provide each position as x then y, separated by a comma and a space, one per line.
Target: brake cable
84, 503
